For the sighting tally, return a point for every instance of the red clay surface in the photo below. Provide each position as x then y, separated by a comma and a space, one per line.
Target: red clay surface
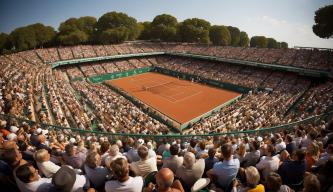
178, 99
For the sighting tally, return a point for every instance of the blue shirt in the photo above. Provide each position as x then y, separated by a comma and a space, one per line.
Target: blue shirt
226, 171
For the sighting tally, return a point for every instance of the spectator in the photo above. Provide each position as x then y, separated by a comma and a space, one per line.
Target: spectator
252, 158
191, 170
72, 157
226, 170
269, 162
28, 180
325, 156
210, 160
165, 182
94, 171
145, 165
311, 183
291, 144
312, 155
124, 182
65, 179
297, 165
45, 166
174, 162
274, 183
112, 155
252, 181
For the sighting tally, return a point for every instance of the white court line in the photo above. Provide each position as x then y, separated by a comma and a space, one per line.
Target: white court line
189, 96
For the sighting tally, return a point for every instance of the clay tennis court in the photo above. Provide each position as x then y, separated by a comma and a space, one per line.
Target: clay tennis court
178, 99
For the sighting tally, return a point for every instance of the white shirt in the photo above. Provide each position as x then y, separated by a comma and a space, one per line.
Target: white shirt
43, 184
143, 168
133, 184
268, 164
48, 168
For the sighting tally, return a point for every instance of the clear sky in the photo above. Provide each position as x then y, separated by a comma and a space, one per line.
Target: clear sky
284, 20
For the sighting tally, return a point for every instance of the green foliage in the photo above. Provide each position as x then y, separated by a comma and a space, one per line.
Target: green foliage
118, 22
244, 39
258, 41
235, 35
283, 45
115, 35
31, 36
4, 42
164, 28
323, 26
220, 35
73, 38
194, 31
145, 30
79, 30
272, 43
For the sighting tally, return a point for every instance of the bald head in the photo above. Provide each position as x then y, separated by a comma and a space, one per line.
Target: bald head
164, 178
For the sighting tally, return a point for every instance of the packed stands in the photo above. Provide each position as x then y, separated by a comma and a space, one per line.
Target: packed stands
39, 106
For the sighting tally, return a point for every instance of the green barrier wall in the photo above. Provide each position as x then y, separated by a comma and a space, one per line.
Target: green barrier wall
110, 76
74, 131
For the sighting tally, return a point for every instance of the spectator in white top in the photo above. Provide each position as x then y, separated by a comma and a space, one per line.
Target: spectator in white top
191, 170
146, 165
269, 162
173, 162
94, 171
113, 154
47, 167
28, 179
151, 152
124, 182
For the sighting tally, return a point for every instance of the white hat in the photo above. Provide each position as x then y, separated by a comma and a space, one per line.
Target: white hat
11, 136
13, 129
39, 130
45, 132
259, 139
141, 141
72, 140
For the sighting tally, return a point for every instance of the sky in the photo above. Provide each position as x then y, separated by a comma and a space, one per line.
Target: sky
285, 20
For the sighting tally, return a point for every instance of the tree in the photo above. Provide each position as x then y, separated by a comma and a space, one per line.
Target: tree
258, 41
115, 35
194, 31
323, 26
283, 45
244, 39
235, 35
145, 30
4, 42
73, 28
44, 34
117, 21
23, 38
164, 28
73, 38
272, 43
219, 35
31, 36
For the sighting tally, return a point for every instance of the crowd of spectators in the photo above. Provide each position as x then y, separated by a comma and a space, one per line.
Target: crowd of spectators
35, 159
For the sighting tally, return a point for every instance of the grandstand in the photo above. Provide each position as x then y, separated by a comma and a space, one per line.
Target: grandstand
57, 97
